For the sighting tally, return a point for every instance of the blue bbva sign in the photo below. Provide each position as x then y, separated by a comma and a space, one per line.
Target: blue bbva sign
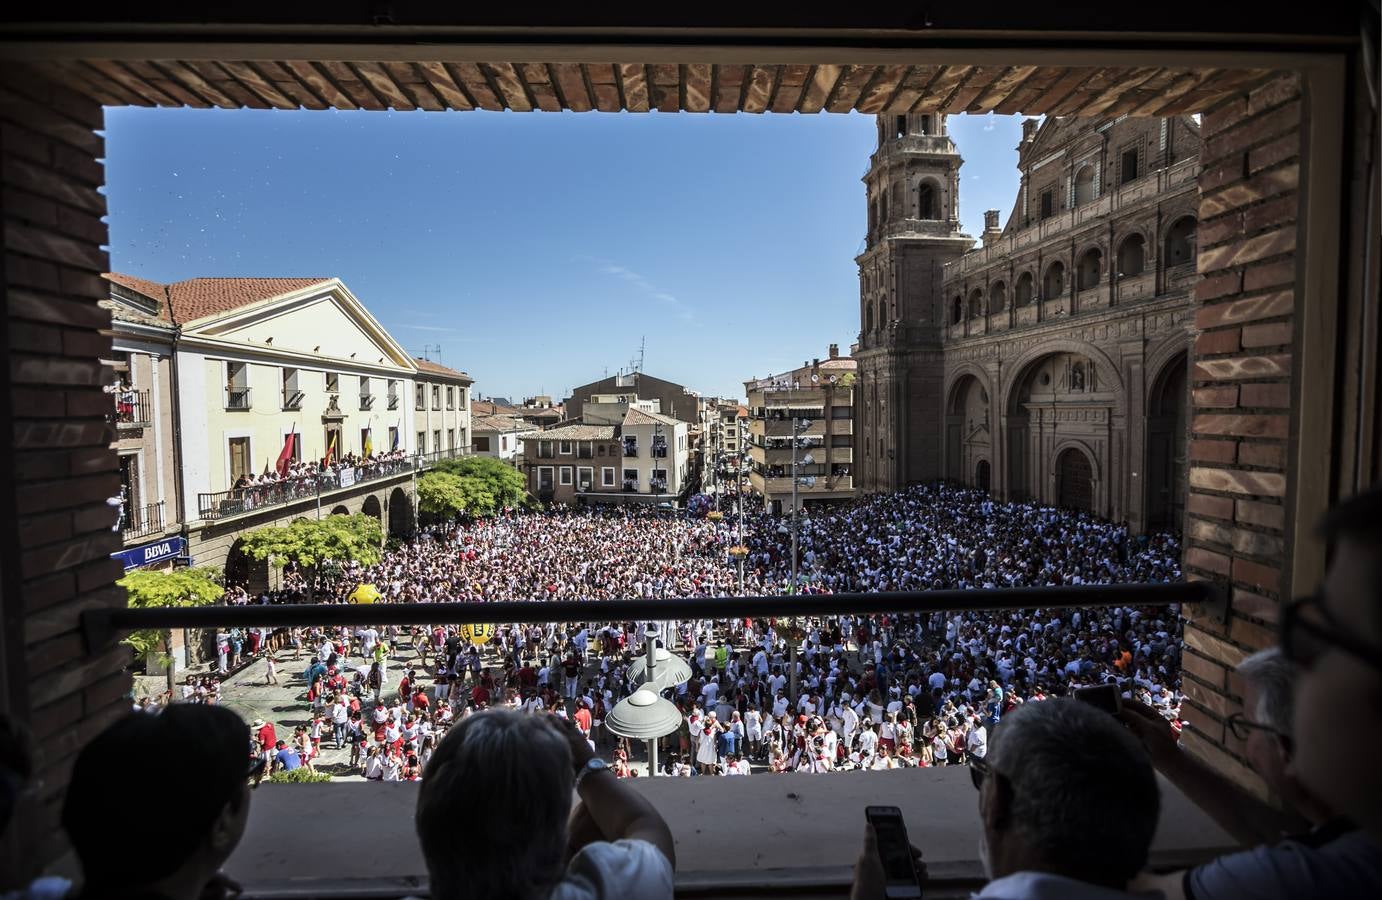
147, 555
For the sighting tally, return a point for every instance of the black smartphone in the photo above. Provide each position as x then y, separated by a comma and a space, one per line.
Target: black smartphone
1108, 697
895, 851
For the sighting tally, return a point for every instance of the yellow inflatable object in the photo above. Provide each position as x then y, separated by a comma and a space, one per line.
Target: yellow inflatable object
479, 635
365, 593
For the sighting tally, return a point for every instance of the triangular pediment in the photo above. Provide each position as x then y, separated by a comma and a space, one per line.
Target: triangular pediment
324, 321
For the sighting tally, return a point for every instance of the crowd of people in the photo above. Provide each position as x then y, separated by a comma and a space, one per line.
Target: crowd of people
305, 478
870, 692
1067, 797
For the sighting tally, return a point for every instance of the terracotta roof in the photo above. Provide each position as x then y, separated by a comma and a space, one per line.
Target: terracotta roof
121, 312
743, 412
499, 423
432, 368
198, 298
151, 289
639, 417
490, 408
841, 362
577, 431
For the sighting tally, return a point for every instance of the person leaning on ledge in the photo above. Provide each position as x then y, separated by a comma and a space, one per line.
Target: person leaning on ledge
1068, 804
495, 817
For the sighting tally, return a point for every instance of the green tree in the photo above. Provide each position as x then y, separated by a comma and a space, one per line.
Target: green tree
200, 586
440, 494
488, 484
313, 543
846, 380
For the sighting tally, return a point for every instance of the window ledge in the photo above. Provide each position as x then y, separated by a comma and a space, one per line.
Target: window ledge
788, 835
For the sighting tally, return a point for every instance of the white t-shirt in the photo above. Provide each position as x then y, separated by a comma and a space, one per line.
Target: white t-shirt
612, 871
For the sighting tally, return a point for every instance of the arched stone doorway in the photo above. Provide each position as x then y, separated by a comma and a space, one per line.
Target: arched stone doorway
981, 475
372, 507
967, 434
1056, 399
1166, 457
340, 511
400, 514
1074, 481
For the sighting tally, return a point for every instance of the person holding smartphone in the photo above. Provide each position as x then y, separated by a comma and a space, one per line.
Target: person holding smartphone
1049, 829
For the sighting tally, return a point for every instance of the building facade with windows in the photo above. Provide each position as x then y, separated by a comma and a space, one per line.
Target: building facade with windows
1050, 361
674, 400
816, 403
643, 459
441, 406
500, 437
143, 413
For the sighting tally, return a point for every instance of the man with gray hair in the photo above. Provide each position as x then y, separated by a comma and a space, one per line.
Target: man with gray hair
1068, 802
1303, 850
495, 819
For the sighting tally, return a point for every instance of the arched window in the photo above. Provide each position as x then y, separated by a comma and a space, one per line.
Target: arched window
1053, 284
1022, 290
956, 311
1132, 255
868, 316
1180, 242
1084, 185
1087, 273
998, 297
901, 126
926, 201
883, 207
976, 303
925, 124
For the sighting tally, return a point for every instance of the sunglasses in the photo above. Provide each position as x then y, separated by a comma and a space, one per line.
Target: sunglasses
979, 769
1242, 727
1308, 631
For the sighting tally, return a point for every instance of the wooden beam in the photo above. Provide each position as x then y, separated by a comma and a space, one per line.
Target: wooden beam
664, 90
979, 79
604, 82
941, 88
729, 87
509, 85
1002, 87
912, 88
159, 79
698, 97
635, 85
1109, 96
569, 79
289, 85
412, 82
849, 88
760, 89
114, 71
257, 84
307, 73
886, 82
444, 86
539, 83
472, 78
819, 88
228, 84
1030, 90
791, 85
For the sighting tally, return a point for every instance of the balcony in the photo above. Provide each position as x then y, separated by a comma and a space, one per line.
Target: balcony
1027, 315
292, 399
631, 451
978, 325
758, 853
366, 401
218, 505
1181, 277
998, 322
132, 409
1091, 298
142, 521
393, 401
630, 487
1141, 286
900, 147
1134, 193
783, 428
237, 398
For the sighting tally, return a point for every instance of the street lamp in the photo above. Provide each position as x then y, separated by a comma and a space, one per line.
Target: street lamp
645, 714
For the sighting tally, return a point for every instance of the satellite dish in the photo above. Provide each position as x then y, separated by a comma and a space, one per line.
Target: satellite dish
815, 379
834, 378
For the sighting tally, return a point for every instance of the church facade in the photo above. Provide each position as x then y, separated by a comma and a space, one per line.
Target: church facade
1049, 361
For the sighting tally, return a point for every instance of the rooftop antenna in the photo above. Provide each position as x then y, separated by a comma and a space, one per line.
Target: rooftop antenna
428, 349
636, 364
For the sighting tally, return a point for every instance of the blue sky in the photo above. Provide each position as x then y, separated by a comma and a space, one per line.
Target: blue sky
537, 249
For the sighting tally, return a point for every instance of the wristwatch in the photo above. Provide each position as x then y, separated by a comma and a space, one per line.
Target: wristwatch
594, 764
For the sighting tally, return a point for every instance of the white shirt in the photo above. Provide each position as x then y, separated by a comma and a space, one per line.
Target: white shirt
624, 869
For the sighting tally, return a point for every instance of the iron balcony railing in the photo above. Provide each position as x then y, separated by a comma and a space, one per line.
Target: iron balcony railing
237, 398
235, 502
292, 398
101, 626
366, 401
132, 408
143, 520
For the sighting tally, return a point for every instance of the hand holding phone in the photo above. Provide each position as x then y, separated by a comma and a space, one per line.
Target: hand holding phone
892, 855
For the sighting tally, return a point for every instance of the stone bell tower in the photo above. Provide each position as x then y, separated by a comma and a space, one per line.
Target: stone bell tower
913, 190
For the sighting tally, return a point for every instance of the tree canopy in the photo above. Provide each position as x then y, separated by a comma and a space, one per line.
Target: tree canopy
485, 485
181, 587
310, 542
446, 495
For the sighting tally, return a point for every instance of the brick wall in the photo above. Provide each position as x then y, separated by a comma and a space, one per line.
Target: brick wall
51, 215
1241, 420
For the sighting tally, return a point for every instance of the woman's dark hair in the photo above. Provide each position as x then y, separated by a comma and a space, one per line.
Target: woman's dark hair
200, 751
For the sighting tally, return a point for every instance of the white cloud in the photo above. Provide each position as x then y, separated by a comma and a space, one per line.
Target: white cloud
682, 311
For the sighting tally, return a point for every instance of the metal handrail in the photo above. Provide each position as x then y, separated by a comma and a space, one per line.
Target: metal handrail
101, 625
